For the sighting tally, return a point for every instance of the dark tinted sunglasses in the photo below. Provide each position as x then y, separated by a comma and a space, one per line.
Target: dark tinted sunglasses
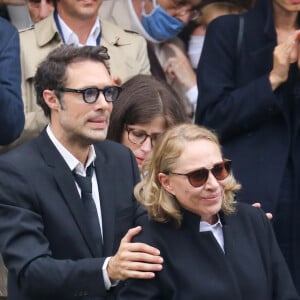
199, 177
90, 95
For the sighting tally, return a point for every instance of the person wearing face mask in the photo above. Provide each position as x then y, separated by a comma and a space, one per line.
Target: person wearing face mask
160, 22
159, 25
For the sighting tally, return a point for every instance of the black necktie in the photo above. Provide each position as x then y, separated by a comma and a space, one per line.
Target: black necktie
91, 215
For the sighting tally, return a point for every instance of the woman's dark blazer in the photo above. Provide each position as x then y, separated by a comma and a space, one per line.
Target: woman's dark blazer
195, 267
258, 128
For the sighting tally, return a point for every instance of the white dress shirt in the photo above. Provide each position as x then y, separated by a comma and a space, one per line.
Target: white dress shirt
71, 38
216, 230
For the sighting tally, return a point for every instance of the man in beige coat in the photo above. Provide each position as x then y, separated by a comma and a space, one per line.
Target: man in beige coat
75, 22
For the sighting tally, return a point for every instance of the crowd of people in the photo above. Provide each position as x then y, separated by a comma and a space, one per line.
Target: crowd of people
135, 137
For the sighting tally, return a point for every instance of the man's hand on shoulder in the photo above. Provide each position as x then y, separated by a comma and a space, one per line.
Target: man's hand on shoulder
134, 260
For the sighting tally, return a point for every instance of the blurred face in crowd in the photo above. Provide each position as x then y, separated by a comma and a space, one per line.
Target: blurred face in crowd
39, 9
183, 10
206, 199
79, 9
140, 138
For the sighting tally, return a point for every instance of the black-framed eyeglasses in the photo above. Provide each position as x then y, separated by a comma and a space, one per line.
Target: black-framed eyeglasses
90, 95
199, 177
138, 136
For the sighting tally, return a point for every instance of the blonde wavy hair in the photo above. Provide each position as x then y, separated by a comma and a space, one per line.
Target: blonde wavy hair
160, 204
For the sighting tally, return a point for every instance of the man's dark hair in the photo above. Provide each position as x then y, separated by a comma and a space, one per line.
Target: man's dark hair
51, 73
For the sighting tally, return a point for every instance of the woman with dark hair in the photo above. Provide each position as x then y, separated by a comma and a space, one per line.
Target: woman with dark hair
145, 108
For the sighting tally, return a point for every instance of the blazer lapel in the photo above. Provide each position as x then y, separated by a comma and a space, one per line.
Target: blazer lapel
106, 190
67, 187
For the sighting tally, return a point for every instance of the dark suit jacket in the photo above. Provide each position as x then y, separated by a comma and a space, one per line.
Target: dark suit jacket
44, 238
11, 104
195, 267
259, 128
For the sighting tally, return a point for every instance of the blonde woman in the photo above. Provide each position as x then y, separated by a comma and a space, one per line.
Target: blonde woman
249, 92
213, 247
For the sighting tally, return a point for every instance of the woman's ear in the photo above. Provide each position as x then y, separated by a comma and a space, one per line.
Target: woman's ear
164, 180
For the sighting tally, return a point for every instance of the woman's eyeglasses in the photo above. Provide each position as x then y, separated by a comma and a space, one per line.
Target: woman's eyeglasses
137, 136
199, 177
90, 95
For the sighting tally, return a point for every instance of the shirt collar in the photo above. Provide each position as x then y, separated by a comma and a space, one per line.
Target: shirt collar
71, 38
72, 162
205, 226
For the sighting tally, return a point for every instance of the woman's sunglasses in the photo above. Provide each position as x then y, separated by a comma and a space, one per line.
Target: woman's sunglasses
199, 177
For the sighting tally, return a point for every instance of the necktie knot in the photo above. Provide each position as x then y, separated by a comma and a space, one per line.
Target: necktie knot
85, 182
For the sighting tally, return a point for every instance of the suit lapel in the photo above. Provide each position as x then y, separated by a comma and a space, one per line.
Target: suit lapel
106, 190
67, 187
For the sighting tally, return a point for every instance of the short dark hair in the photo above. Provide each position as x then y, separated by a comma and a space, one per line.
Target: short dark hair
143, 98
51, 73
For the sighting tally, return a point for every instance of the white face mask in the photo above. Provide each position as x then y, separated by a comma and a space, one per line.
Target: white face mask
195, 49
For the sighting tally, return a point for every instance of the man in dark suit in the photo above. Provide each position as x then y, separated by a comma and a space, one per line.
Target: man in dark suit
11, 104
50, 247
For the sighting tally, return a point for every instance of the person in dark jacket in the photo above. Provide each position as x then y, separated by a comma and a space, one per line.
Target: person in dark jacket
11, 104
249, 84
213, 247
67, 210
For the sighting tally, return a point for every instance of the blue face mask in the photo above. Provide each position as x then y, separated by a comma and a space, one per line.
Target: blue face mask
160, 25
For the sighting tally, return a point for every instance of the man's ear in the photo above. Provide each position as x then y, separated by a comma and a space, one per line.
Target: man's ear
51, 99
164, 180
